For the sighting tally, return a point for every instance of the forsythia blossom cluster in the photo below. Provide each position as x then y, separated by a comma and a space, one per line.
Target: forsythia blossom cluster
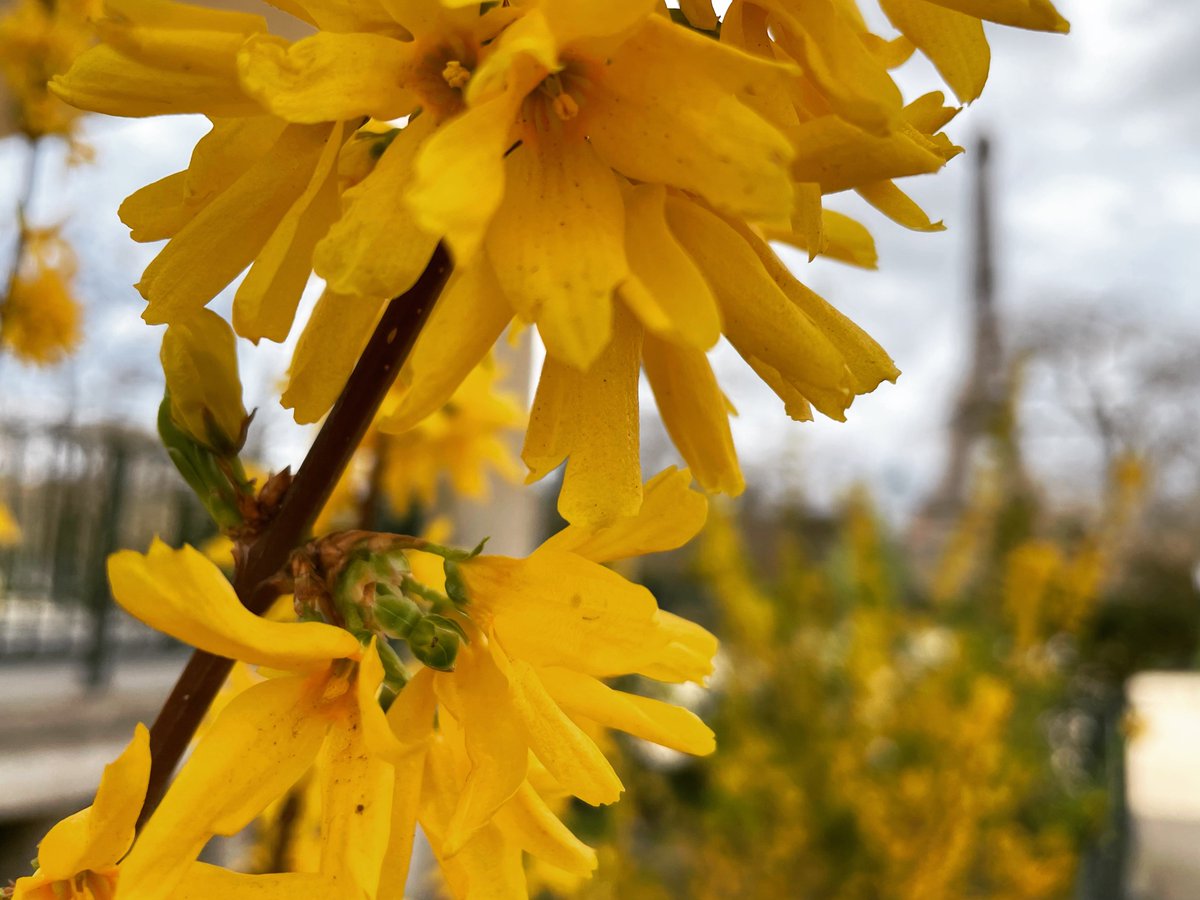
610, 171
603, 170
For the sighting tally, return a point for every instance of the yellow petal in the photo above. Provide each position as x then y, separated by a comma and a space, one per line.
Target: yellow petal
869, 365
898, 206
377, 734
202, 881
824, 40
795, 404
460, 172
845, 240
700, 14
411, 719
356, 804
266, 300
592, 419
837, 155
1039, 15
327, 352
671, 515
465, 323
571, 20
670, 113
667, 292
97, 837
929, 114
226, 236
481, 694
556, 243
688, 654
273, 731
760, 321
652, 720
329, 77
529, 821
695, 413
185, 595
106, 81
376, 248
600, 624
954, 42
567, 753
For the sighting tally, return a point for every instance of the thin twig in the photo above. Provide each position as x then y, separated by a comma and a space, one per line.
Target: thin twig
330, 454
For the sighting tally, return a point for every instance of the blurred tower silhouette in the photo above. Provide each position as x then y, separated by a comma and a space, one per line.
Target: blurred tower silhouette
983, 421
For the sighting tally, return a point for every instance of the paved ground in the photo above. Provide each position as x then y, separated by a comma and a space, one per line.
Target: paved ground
56, 737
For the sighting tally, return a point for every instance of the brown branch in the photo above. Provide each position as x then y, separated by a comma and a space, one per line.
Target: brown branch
322, 467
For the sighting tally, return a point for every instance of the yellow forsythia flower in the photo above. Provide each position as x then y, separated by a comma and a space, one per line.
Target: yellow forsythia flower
39, 320
40, 39
10, 531
595, 168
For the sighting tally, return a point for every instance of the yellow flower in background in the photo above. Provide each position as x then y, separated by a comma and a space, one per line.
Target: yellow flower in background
40, 39
39, 320
10, 531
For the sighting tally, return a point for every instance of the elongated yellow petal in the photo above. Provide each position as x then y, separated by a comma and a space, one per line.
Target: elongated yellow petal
273, 731
846, 240
571, 20
695, 413
530, 822
160, 210
667, 293
689, 651
411, 719
954, 42
97, 837
106, 81
376, 248
570, 755
647, 123
266, 300
670, 516
837, 155
898, 206
327, 77
481, 694
760, 321
229, 232
1039, 15
592, 419
202, 881
356, 805
602, 624
820, 36
652, 720
867, 362
326, 353
465, 323
556, 243
460, 171
184, 594
377, 734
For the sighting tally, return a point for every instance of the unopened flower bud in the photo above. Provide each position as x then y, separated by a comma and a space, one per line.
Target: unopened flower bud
199, 359
434, 641
396, 614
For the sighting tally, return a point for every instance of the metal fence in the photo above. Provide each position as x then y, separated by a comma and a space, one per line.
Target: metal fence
78, 494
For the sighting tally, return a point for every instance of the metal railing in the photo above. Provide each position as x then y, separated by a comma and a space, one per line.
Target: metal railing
78, 494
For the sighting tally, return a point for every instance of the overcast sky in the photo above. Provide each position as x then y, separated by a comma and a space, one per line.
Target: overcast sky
1097, 177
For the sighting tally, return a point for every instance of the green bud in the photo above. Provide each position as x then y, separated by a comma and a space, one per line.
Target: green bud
352, 583
394, 673
396, 614
199, 359
456, 586
198, 466
434, 641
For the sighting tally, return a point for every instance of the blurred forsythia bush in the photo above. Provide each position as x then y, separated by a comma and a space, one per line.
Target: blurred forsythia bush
883, 733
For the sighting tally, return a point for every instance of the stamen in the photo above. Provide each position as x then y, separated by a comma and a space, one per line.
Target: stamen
565, 107
456, 74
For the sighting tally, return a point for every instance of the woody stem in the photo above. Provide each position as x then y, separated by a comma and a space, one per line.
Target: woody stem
328, 457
